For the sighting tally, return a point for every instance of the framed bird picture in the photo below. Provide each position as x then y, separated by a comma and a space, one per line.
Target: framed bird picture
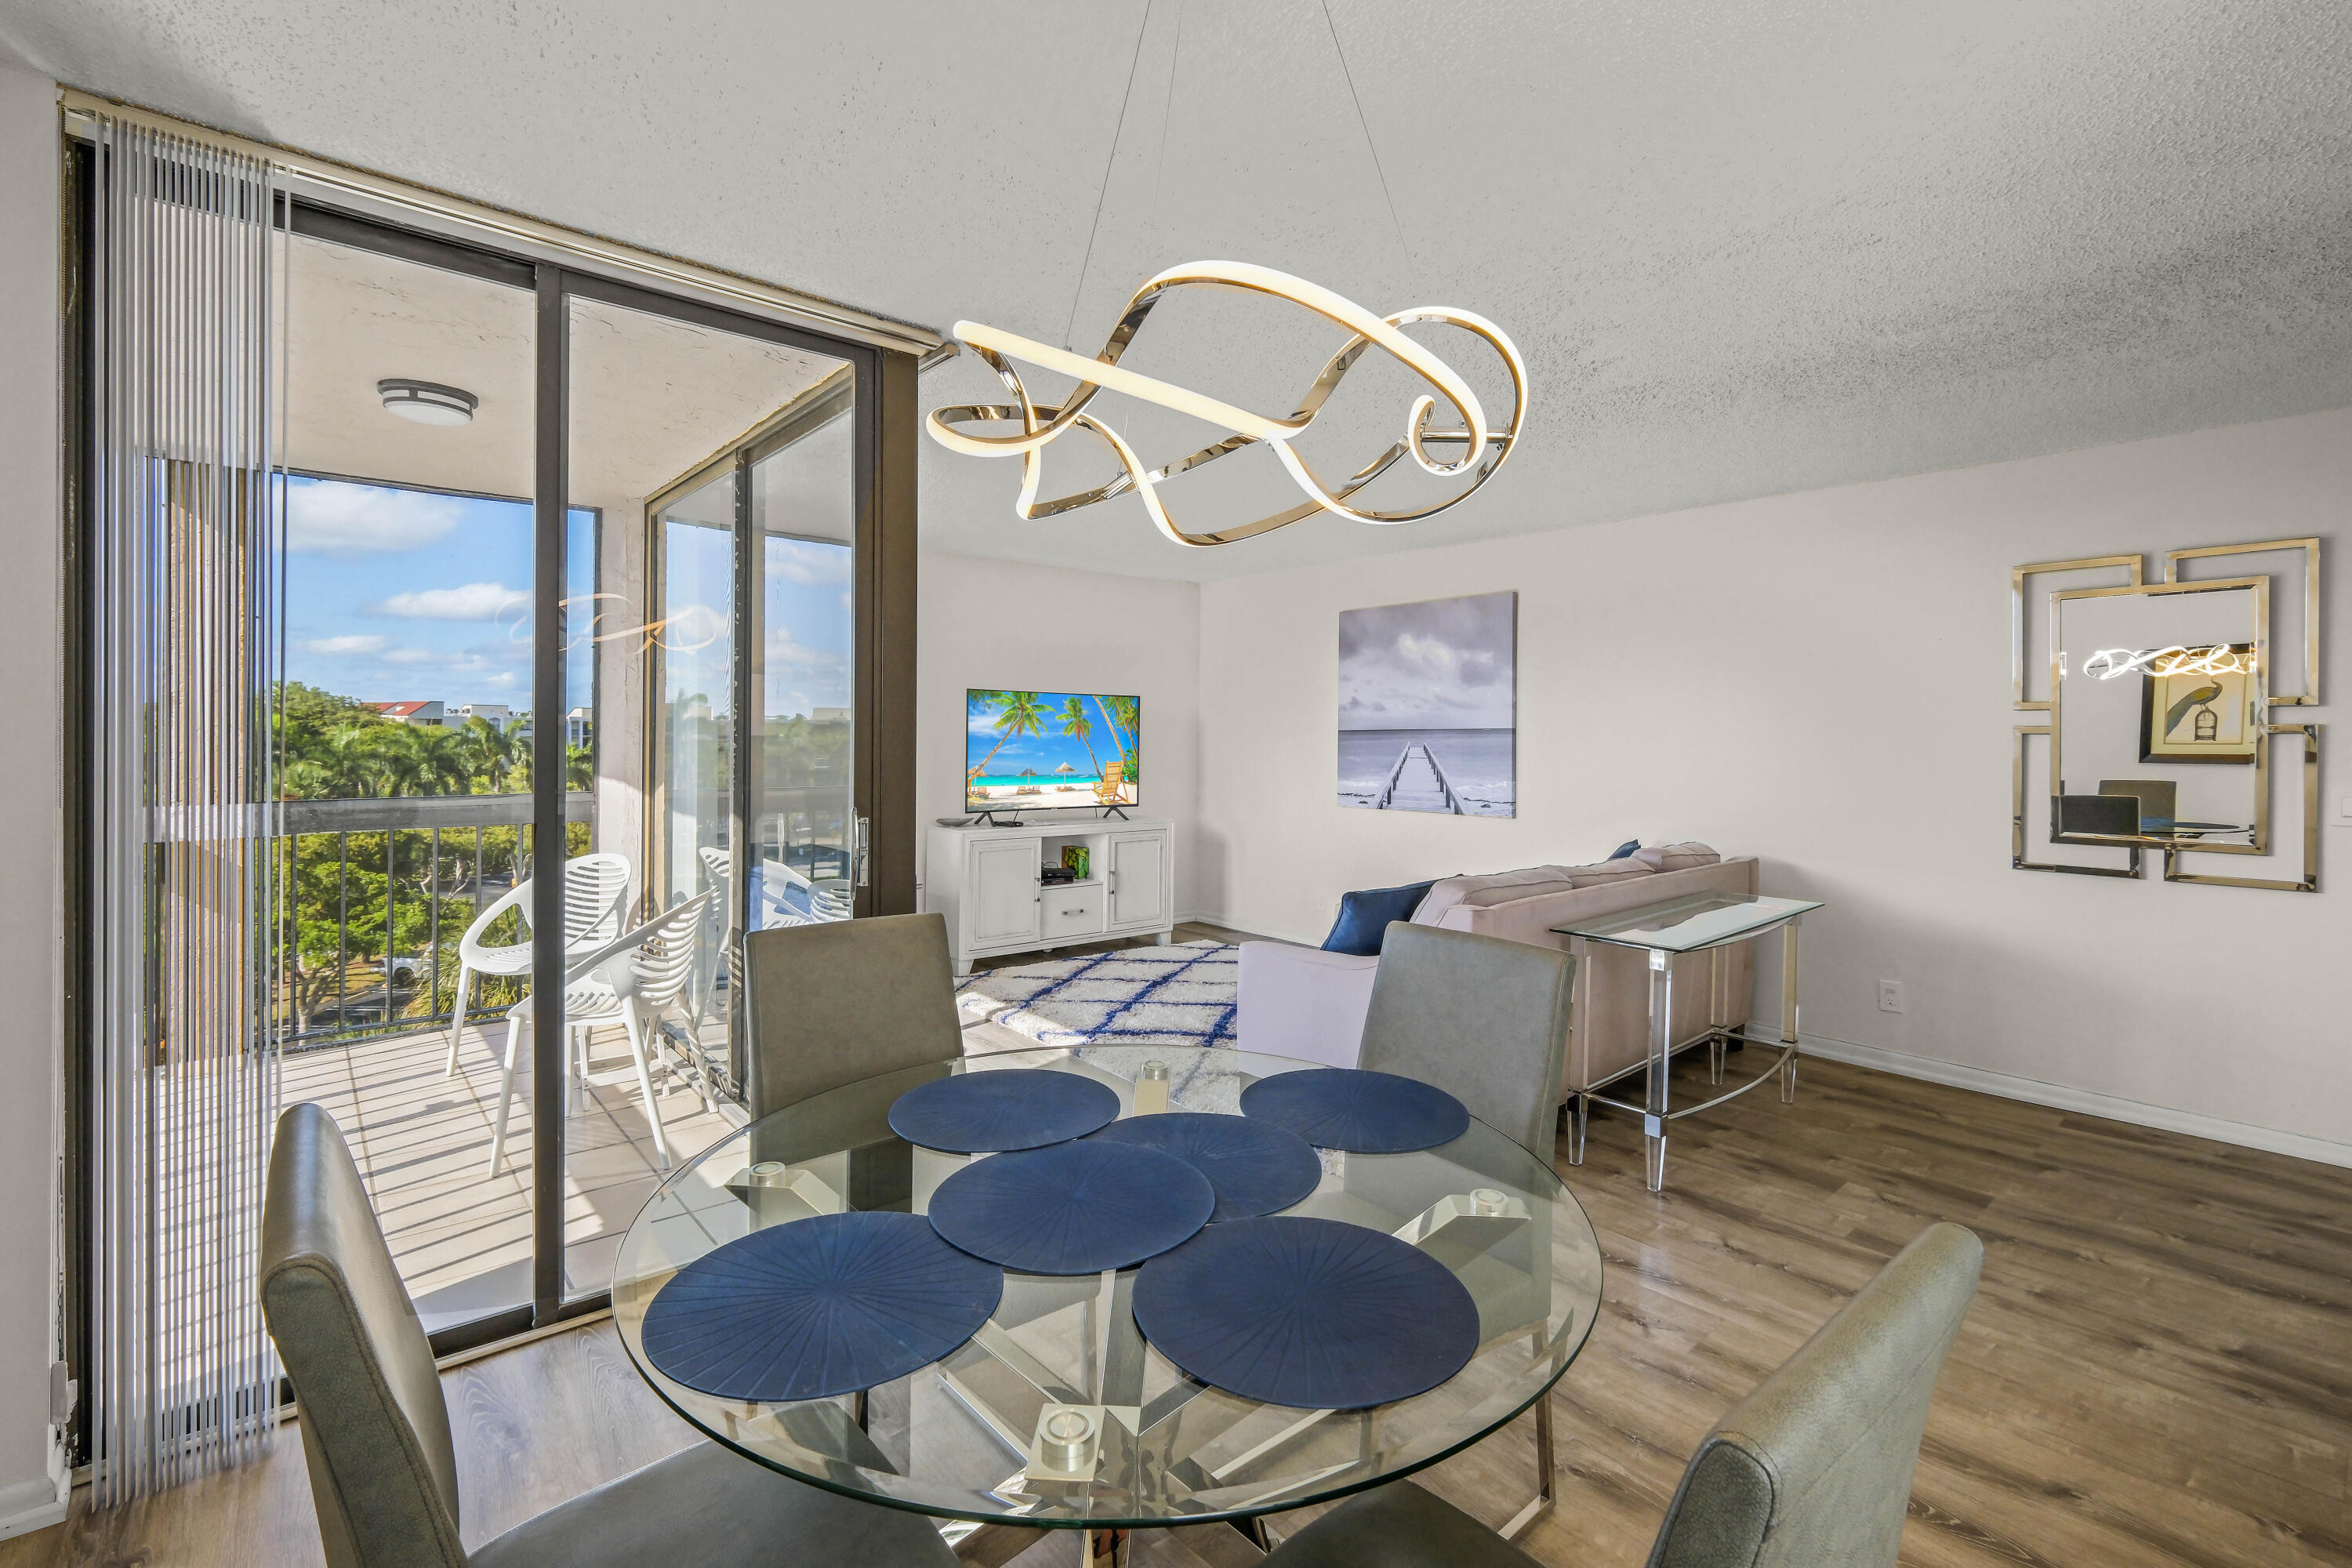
2198, 706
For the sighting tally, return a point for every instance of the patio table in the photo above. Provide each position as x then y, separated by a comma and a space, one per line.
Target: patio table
966, 1438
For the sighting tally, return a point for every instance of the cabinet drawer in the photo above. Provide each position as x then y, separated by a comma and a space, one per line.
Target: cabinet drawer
1070, 912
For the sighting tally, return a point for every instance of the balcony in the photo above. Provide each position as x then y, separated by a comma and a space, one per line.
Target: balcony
460, 1232
366, 1034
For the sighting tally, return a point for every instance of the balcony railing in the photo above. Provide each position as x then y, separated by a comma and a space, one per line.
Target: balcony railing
378, 892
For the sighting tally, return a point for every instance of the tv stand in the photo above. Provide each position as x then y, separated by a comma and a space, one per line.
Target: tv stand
983, 877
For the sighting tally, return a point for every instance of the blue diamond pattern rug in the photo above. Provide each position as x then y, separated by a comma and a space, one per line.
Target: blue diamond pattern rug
1178, 996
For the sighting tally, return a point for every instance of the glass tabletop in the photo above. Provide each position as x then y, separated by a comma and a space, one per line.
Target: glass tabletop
1687, 924
959, 1437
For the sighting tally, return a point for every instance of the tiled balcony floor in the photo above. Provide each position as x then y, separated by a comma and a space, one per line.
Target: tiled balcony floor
460, 1232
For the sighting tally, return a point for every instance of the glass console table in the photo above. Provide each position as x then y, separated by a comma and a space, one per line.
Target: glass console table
1694, 924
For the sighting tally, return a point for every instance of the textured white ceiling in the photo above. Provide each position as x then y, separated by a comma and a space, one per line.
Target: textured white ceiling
1747, 250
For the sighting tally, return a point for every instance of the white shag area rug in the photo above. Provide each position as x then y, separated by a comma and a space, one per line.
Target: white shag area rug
1178, 996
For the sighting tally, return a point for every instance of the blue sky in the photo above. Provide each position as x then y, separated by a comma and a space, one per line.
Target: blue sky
1042, 753
399, 595
809, 615
809, 626
396, 596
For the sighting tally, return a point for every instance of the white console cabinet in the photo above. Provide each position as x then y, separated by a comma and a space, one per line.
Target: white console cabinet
985, 881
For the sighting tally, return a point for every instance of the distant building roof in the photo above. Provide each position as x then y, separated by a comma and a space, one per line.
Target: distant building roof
403, 710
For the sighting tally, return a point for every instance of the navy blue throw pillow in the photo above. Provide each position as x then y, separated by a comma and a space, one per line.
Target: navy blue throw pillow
1364, 917
1625, 849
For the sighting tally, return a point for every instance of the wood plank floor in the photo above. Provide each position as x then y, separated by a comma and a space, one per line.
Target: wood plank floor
2157, 1371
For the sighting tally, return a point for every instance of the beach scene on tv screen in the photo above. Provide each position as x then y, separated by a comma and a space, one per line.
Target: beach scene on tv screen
1051, 749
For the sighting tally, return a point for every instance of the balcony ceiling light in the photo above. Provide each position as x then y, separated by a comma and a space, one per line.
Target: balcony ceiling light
427, 402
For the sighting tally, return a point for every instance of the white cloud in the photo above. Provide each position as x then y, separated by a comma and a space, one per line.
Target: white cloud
472, 601
334, 517
795, 561
1442, 664
346, 646
783, 650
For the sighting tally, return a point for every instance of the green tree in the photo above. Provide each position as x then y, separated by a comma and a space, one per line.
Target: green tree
1123, 715
1017, 713
1075, 722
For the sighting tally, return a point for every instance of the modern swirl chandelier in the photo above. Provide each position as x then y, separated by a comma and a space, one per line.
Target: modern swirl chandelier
1472, 448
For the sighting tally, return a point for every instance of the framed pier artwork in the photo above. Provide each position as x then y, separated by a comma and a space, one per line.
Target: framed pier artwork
1428, 706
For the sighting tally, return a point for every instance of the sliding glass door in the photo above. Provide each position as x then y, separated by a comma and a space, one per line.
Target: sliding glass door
752, 756
570, 703
568, 601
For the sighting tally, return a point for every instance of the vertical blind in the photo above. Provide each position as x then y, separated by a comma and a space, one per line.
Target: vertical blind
183, 1083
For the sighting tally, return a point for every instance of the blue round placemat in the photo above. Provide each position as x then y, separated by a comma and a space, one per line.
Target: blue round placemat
988, 1112
1360, 1111
1255, 1167
821, 1306
1312, 1313
1076, 1208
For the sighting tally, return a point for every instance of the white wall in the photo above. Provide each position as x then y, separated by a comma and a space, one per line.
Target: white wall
30, 1048
1012, 627
1822, 679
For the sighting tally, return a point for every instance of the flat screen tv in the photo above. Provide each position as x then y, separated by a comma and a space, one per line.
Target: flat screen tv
1041, 751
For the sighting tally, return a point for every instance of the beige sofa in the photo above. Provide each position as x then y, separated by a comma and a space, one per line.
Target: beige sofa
1303, 1002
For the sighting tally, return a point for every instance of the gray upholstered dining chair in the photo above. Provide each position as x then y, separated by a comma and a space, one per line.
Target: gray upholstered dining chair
375, 1430
1810, 1470
832, 1003
1483, 1019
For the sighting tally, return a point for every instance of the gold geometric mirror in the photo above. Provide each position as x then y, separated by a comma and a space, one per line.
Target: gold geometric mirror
2159, 733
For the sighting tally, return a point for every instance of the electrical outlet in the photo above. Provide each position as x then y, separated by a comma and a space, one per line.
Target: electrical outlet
1890, 996
2344, 811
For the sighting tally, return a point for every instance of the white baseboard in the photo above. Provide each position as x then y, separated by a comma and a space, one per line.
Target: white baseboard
31, 1505
2195, 1125
1207, 917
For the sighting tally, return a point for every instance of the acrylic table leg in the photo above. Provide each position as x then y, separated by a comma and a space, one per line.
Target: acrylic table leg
1579, 1112
1105, 1548
1715, 1042
1661, 1010
1789, 1008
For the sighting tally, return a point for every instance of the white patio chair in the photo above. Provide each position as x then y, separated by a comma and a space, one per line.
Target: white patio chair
824, 903
593, 889
720, 870
629, 981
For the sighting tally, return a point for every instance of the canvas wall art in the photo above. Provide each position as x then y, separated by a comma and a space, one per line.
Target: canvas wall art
1428, 706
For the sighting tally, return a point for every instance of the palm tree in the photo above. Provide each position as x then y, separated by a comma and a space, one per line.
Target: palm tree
1119, 711
1017, 713
1075, 722
488, 752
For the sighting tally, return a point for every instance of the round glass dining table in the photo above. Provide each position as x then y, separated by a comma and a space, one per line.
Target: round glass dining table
965, 1438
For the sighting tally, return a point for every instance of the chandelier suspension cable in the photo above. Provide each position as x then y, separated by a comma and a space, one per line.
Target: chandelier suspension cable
1110, 160
1167, 103
1369, 145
